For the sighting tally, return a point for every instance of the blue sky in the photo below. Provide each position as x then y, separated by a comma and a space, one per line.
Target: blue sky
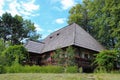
47, 15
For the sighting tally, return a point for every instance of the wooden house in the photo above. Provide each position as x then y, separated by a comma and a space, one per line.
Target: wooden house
71, 35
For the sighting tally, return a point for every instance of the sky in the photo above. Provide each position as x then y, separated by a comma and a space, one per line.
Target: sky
47, 15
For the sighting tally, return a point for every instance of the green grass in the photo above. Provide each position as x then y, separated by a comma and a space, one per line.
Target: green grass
65, 76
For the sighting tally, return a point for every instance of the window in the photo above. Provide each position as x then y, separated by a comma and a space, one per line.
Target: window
86, 56
58, 34
50, 37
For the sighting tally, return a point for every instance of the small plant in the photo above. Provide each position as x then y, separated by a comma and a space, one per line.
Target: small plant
80, 70
71, 69
17, 68
100, 70
1, 69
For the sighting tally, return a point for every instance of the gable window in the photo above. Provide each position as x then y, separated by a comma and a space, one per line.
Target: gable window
58, 34
50, 37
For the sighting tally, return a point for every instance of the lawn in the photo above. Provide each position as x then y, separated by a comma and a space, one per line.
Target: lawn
65, 76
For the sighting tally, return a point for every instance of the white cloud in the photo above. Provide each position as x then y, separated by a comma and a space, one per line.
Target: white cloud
66, 4
13, 7
60, 20
30, 6
49, 31
25, 8
38, 28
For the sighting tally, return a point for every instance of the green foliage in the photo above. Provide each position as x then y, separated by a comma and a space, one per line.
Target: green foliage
100, 70
80, 70
59, 57
71, 69
17, 68
70, 52
52, 69
100, 18
16, 29
79, 15
2, 45
15, 54
1, 69
3, 60
65, 57
13, 69
106, 60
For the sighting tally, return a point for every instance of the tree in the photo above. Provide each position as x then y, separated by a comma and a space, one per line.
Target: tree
101, 14
70, 54
59, 57
65, 57
79, 15
101, 18
16, 29
5, 23
15, 54
104, 14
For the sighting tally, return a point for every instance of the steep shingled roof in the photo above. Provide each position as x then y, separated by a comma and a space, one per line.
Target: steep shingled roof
60, 38
70, 35
85, 40
35, 47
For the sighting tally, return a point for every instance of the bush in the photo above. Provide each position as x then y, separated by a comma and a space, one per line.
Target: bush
52, 69
16, 53
100, 70
80, 70
31, 69
65, 57
1, 69
106, 60
71, 69
17, 68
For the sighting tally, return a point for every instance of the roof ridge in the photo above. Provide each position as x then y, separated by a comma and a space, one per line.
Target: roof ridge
61, 29
36, 41
74, 35
90, 37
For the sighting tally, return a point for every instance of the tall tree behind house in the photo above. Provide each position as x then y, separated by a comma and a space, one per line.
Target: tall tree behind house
101, 18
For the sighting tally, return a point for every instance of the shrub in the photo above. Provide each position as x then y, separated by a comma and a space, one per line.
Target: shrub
3, 62
65, 57
100, 70
80, 70
31, 69
2, 69
16, 53
71, 69
106, 60
17, 68
52, 69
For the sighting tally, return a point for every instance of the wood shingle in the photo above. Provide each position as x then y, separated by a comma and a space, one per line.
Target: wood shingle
70, 35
